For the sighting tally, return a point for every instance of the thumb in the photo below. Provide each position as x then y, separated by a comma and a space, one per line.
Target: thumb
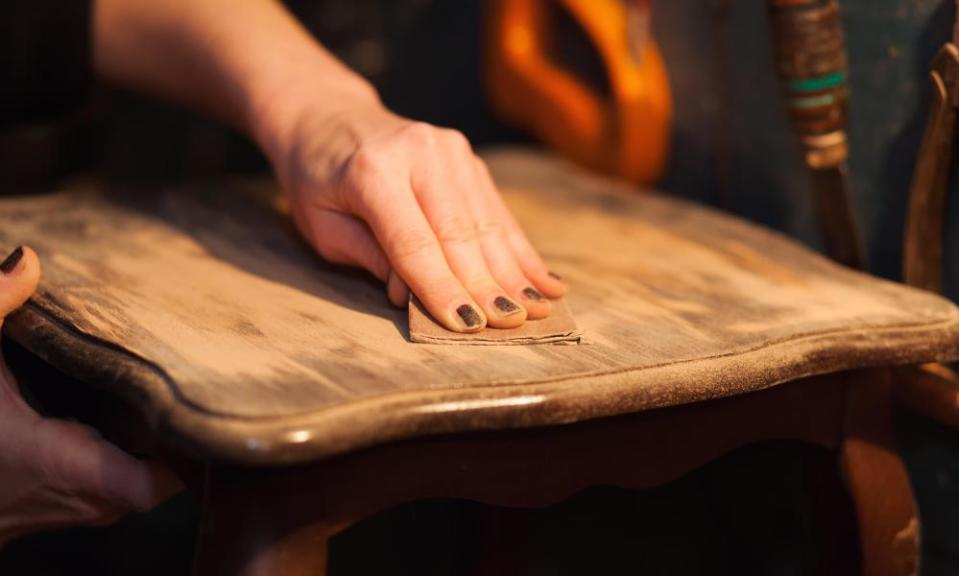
19, 276
345, 240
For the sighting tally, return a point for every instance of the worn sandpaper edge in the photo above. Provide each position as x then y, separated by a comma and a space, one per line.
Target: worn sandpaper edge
572, 338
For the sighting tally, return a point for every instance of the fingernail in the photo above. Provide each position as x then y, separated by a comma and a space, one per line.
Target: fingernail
470, 316
533, 294
12, 260
555, 276
506, 306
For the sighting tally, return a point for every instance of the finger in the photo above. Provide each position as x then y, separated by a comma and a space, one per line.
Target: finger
19, 276
81, 462
529, 260
387, 204
397, 291
497, 251
343, 239
51, 509
443, 192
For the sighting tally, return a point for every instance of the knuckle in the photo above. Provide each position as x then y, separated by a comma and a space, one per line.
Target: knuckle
363, 180
456, 230
491, 229
458, 140
406, 243
420, 133
365, 163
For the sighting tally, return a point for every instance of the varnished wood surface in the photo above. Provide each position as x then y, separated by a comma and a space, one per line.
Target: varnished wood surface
201, 305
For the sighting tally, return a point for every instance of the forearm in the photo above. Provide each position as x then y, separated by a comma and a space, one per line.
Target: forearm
408, 201
248, 62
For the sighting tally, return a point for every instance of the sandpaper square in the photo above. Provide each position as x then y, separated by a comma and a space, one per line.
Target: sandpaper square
558, 328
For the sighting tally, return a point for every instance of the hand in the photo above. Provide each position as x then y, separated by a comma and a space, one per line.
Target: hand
409, 202
55, 473
412, 204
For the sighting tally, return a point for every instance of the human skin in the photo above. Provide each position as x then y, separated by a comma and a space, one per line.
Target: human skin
55, 473
407, 201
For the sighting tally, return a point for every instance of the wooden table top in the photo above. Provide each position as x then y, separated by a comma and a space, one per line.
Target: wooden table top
200, 305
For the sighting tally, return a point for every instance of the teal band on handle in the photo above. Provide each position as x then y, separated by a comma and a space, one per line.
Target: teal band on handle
818, 83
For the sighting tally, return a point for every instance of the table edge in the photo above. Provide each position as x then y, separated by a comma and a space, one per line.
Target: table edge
297, 439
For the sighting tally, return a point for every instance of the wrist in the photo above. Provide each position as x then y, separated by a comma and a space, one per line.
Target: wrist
313, 91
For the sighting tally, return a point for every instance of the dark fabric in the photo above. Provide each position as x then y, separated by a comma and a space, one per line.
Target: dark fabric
44, 57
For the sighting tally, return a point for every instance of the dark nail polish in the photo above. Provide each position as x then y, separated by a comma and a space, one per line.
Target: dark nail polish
555, 276
505, 305
469, 315
12, 260
533, 294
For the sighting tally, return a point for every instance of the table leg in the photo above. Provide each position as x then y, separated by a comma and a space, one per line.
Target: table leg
245, 532
877, 479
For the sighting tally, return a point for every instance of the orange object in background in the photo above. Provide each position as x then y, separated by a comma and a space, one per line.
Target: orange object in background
584, 77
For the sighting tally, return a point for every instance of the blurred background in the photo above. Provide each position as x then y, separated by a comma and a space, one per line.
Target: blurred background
730, 146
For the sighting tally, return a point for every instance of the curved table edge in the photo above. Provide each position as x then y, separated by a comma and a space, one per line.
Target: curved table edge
290, 440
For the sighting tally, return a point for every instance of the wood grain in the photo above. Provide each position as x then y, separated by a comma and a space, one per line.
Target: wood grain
202, 306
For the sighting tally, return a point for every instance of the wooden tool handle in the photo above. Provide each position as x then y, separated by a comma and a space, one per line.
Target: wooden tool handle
955, 30
618, 122
812, 64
